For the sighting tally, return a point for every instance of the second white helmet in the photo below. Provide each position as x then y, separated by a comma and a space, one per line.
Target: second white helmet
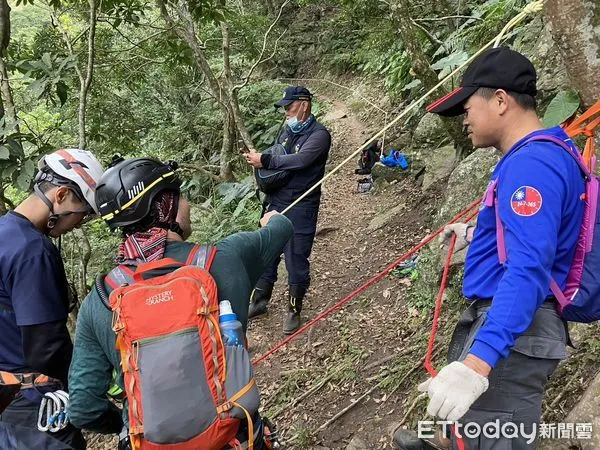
76, 166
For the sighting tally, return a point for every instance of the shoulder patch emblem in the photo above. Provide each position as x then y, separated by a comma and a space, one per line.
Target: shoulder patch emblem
526, 201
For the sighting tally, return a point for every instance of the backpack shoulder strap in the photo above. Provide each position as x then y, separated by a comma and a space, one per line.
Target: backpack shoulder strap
201, 256
562, 144
492, 195
102, 291
117, 277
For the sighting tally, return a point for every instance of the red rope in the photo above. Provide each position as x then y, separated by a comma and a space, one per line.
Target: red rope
364, 286
438, 309
436, 316
439, 301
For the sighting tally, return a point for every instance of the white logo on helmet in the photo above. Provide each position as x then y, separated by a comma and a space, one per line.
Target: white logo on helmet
135, 190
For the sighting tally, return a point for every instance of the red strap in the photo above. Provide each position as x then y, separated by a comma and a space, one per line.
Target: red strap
76, 166
112, 283
192, 255
210, 259
154, 265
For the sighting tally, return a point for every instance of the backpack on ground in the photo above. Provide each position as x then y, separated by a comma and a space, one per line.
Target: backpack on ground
580, 301
370, 155
185, 389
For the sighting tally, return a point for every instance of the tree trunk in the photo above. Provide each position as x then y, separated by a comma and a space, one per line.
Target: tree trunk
227, 148
85, 255
575, 28
184, 28
420, 64
231, 91
7, 104
226, 95
85, 83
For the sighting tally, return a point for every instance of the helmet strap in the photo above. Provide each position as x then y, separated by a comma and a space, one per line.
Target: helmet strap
53, 217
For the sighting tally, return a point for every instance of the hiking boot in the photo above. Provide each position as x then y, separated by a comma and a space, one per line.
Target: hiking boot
408, 440
292, 320
259, 300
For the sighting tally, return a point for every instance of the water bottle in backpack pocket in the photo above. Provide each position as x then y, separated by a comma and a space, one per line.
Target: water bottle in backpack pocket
232, 331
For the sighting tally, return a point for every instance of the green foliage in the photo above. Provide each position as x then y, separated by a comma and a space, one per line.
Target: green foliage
562, 107
149, 97
263, 120
233, 207
49, 75
449, 63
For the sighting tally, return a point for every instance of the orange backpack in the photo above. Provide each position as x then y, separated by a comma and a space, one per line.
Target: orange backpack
186, 390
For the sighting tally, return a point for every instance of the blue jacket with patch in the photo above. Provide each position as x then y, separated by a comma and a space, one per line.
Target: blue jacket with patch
539, 194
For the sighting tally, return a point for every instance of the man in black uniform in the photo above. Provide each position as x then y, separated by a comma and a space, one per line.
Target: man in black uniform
307, 143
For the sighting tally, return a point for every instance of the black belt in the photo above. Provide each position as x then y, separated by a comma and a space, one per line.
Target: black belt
549, 303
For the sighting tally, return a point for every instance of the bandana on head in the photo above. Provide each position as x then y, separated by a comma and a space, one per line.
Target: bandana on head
146, 246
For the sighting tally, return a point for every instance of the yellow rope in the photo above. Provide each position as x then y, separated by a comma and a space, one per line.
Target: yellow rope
530, 8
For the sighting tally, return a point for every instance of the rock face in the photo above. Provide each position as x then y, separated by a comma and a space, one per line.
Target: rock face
429, 133
357, 444
587, 411
535, 41
468, 182
389, 174
439, 165
385, 217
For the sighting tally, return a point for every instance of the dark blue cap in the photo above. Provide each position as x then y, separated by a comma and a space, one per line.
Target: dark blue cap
293, 93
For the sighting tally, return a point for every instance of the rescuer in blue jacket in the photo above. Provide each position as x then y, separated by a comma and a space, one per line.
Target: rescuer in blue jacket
510, 339
307, 143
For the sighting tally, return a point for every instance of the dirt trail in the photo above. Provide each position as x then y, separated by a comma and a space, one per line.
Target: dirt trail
340, 357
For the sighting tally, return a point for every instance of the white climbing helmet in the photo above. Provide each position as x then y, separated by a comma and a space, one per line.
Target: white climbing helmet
75, 167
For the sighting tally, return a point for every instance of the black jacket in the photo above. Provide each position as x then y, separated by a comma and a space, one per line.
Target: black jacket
306, 159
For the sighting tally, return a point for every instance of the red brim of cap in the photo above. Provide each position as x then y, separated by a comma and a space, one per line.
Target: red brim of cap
452, 104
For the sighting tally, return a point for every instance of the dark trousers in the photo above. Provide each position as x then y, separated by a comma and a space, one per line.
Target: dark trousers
298, 249
24, 413
517, 383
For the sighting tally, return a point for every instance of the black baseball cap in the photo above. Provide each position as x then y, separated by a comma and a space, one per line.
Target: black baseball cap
498, 68
293, 93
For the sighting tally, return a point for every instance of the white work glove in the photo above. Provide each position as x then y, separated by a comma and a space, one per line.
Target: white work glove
453, 391
461, 230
